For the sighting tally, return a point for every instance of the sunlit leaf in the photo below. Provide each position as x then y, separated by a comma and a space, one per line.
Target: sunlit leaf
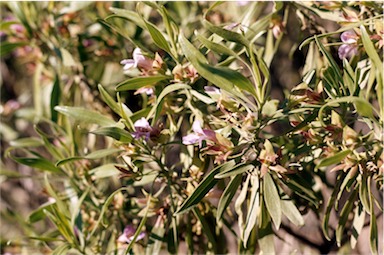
337, 158
289, 209
253, 209
85, 116
271, 197
138, 82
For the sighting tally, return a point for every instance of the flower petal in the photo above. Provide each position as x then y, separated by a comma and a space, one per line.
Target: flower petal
191, 139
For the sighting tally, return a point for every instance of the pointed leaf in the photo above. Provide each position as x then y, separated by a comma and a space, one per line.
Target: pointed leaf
85, 116
116, 133
203, 188
239, 169
138, 82
293, 214
253, 209
228, 194
272, 197
337, 158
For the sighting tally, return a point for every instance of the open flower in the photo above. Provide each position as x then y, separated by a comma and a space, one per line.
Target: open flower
143, 129
138, 61
199, 135
349, 47
128, 234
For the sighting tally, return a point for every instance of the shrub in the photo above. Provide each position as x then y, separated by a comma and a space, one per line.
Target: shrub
156, 125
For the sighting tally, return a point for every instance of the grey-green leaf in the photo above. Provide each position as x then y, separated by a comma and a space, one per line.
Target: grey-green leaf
337, 158
138, 82
293, 214
272, 197
85, 116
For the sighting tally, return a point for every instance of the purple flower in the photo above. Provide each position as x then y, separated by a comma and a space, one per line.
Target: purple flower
143, 129
128, 233
199, 135
349, 47
147, 90
138, 61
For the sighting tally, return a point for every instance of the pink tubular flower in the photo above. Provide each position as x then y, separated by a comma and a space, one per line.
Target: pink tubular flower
199, 135
349, 48
143, 129
128, 233
138, 61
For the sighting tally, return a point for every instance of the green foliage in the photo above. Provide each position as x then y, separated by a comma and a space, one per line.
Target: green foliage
156, 126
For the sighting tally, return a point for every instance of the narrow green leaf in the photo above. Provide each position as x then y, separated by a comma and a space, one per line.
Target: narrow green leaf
62, 249
216, 47
344, 217
112, 103
290, 210
157, 36
155, 239
363, 192
363, 107
272, 197
85, 116
26, 142
328, 210
357, 225
7, 47
67, 58
233, 77
203, 188
93, 155
373, 233
224, 78
39, 214
206, 228
116, 133
238, 205
239, 169
370, 49
332, 62
168, 89
253, 209
55, 98
227, 196
104, 171
337, 158
267, 244
138, 82
39, 163
129, 15
226, 34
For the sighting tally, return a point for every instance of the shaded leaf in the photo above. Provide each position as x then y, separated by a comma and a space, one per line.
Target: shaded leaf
357, 225
39, 163
7, 47
227, 196
55, 98
116, 133
203, 188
